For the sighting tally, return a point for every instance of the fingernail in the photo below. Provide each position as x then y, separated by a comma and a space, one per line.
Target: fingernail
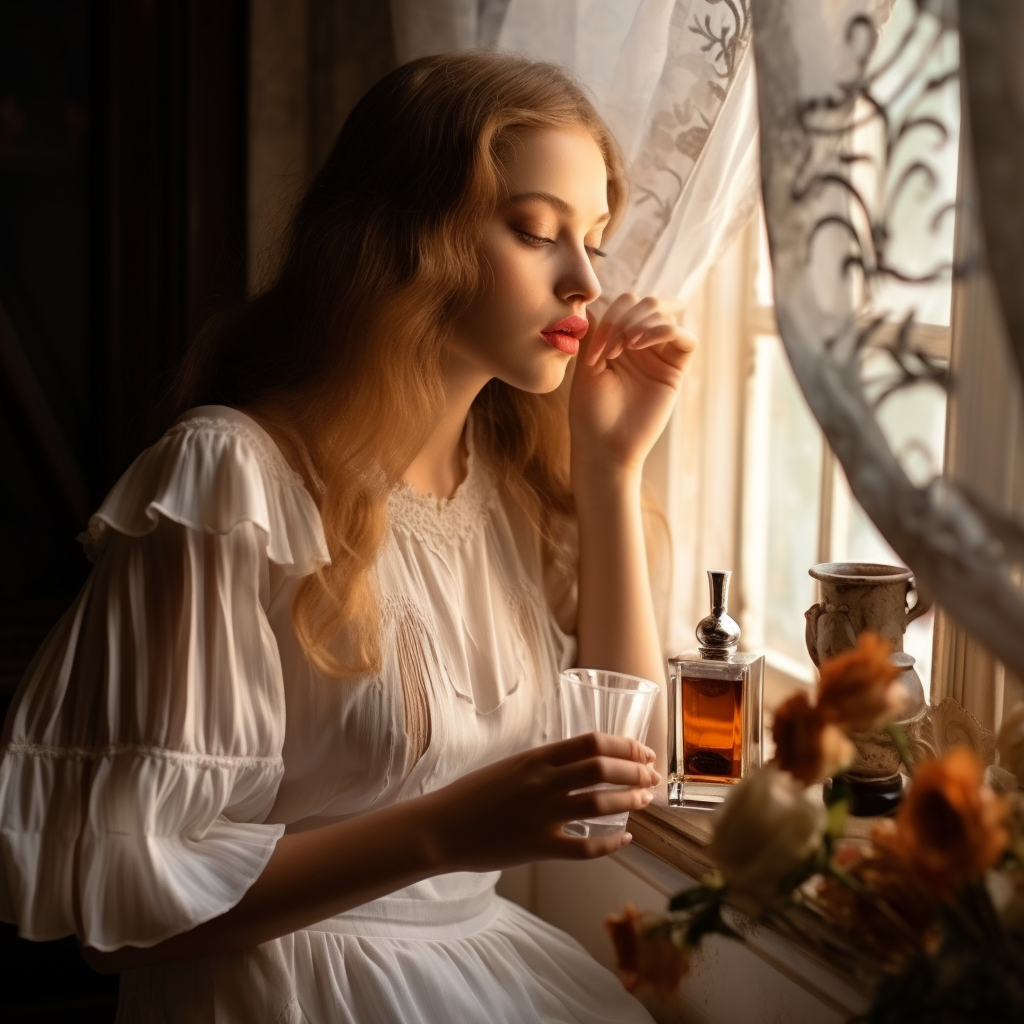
627, 838
651, 755
657, 778
648, 797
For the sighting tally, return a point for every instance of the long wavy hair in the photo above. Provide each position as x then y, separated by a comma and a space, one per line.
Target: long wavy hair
340, 358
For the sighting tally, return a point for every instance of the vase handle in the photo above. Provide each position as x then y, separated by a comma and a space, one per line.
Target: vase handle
921, 603
811, 617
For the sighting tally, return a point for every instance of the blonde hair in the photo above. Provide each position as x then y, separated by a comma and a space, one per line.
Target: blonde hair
340, 358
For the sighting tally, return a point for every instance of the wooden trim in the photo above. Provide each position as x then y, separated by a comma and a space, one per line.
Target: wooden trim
984, 405
675, 835
933, 339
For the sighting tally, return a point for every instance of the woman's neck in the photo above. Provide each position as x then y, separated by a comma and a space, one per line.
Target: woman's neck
441, 464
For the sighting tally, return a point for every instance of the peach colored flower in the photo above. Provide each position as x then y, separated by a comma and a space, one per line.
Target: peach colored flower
950, 827
855, 688
805, 745
645, 952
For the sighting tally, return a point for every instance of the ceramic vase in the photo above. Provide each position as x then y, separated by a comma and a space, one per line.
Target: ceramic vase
857, 597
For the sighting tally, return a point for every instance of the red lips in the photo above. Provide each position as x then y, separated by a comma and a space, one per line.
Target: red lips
565, 335
574, 325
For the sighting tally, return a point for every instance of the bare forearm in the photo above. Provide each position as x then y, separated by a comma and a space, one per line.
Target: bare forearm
616, 623
310, 876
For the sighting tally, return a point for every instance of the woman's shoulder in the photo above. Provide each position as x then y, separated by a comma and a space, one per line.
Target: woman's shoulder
213, 469
237, 435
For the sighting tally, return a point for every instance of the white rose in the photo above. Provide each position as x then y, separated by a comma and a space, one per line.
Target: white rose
1010, 743
768, 827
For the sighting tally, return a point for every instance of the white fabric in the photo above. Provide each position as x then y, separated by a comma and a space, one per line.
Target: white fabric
171, 729
673, 79
684, 110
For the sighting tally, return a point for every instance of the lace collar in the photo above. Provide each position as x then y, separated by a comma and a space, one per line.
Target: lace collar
444, 522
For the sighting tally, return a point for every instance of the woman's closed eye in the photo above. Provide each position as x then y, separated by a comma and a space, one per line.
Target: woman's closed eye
535, 240
541, 240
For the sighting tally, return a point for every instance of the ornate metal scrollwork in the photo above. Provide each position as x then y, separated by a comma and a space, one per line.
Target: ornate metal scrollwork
851, 139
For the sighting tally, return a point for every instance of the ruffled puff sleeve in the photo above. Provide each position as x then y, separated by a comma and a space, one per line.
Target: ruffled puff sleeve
142, 753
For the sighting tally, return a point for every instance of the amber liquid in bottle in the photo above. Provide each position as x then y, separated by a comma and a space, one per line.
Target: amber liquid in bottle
712, 729
714, 709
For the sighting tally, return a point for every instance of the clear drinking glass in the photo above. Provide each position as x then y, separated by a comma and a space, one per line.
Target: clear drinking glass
594, 700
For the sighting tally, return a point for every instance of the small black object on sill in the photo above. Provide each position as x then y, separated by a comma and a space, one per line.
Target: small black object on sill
869, 798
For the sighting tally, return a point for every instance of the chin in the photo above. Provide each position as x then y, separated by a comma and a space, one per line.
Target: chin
540, 380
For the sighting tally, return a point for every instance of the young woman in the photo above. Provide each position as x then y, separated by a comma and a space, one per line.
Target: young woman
271, 762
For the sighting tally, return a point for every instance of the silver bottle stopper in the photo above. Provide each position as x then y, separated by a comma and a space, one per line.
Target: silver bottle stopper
719, 632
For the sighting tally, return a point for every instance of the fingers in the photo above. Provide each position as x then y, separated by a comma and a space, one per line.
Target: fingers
676, 345
572, 848
597, 744
608, 770
639, 318
601, 801
640, 323
623, 312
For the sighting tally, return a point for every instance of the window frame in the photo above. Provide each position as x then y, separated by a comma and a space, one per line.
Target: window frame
725, 309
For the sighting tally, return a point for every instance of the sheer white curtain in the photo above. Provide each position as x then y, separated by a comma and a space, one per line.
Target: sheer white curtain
674, 80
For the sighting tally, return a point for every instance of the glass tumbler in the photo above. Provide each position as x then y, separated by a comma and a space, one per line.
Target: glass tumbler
594, 700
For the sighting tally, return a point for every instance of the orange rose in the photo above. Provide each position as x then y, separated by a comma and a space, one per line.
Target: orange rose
806, 746
951, 827
855, 688
645, 952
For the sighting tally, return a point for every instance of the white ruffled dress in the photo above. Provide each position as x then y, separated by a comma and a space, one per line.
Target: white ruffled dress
172, 730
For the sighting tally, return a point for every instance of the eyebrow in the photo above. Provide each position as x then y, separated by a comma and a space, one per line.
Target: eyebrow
552, 200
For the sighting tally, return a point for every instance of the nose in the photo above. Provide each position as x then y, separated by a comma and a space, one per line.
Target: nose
578, 281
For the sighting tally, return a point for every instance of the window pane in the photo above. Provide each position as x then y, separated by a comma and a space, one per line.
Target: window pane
914, 423
793, 503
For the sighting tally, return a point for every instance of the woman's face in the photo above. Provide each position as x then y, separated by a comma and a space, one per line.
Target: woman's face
539, 247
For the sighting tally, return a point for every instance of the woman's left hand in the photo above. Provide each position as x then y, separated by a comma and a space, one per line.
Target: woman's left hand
626, 380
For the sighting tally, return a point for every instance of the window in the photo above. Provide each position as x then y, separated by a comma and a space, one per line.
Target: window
782, 498
796, 507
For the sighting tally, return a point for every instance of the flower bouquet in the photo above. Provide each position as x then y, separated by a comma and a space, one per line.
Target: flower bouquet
934, 898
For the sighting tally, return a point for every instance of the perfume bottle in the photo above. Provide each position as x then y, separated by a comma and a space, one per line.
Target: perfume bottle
714, 709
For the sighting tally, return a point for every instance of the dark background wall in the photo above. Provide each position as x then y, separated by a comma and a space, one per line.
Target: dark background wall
150, 154
122, 225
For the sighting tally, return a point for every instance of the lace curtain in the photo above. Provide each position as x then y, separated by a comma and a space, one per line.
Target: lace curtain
675, 82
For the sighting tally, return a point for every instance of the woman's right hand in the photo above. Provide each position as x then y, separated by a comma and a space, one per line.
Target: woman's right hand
512, 811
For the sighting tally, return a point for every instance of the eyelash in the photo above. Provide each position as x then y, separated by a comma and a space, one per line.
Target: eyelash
537, 241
